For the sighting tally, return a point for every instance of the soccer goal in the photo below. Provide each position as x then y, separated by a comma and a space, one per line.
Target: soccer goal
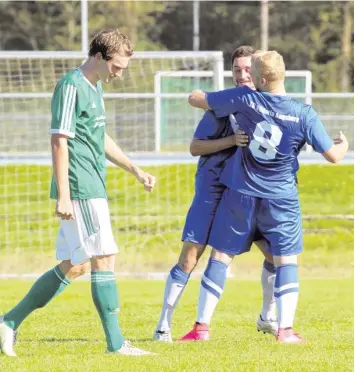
171, 111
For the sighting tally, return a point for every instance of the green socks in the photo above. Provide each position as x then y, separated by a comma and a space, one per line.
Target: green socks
53, 282
49, 285
105, 297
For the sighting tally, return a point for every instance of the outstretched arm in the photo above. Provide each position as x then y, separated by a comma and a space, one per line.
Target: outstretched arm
337, 152
197, 98
119, 158
222, 103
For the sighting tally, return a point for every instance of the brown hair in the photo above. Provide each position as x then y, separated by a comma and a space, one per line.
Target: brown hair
242, 51
110, 42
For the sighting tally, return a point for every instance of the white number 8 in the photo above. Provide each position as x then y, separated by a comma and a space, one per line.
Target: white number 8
262, 147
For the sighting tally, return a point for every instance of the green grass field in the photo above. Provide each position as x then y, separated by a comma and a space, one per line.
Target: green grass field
66, 336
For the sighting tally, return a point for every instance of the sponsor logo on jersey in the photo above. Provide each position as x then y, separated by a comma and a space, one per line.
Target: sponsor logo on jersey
100, 121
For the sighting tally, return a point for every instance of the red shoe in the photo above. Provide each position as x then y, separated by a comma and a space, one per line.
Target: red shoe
287, 336
200, 332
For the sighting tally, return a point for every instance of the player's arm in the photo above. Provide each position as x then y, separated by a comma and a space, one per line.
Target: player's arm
223, 103
317, 136
119, 158
199, 147
337, 152
197, 98
205, 140
62, 127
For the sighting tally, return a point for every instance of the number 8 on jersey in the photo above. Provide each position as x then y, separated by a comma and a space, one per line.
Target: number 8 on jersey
266, 138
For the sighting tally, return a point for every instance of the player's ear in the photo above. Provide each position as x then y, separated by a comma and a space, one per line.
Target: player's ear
98, 56
263, 82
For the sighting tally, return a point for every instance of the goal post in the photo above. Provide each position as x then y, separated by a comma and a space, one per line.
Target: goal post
30, 78
174, 86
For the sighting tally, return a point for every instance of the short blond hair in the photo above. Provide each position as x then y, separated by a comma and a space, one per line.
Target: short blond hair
110, 42
269, 65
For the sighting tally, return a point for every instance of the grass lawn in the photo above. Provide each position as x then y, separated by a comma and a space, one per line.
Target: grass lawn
67, 336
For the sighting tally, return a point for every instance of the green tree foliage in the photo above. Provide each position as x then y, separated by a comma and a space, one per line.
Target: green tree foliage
133, 18
40, 25
314, 36
317, 36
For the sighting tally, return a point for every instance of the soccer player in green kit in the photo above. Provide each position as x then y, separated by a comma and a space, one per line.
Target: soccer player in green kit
80, 147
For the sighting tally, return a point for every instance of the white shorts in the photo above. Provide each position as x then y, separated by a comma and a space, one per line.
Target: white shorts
89, 234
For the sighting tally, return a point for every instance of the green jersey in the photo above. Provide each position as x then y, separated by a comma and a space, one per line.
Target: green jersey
78, 112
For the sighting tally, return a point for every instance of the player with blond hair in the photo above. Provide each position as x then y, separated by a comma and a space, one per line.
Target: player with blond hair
80, 147
261, 192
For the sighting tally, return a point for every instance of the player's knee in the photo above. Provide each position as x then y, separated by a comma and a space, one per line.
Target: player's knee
189, 256
262, 245
187, 262
269, 258
78, 270
103, 263
221, 256
284, 260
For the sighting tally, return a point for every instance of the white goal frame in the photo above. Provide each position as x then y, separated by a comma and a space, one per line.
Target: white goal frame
218, 73
202, 74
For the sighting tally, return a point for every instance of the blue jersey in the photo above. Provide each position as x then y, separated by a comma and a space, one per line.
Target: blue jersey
278, 127
210, 166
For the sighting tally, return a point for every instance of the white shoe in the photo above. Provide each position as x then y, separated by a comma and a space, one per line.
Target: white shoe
163, 336
128, 349
7, 336
267, 326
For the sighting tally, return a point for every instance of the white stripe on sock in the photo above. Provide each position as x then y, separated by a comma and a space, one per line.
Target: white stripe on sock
286, 286
212, 284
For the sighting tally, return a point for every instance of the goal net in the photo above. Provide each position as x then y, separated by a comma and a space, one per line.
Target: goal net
147, 227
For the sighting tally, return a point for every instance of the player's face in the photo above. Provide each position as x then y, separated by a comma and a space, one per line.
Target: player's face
109, 70
241, 72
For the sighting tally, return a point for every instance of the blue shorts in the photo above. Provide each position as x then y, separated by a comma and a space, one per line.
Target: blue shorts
241, 218
201, 214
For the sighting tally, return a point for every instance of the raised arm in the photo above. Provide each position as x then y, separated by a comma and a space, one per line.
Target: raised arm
222, 103
118, 157
197, 98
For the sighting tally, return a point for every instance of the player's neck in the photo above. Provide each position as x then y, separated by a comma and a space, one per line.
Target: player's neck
277, 88
278, 91
89, 72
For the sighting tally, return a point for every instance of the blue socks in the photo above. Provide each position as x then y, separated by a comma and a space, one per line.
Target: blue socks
212, 286
286, 294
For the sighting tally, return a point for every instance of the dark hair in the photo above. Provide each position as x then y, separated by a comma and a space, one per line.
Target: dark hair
242, 51
110, 42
